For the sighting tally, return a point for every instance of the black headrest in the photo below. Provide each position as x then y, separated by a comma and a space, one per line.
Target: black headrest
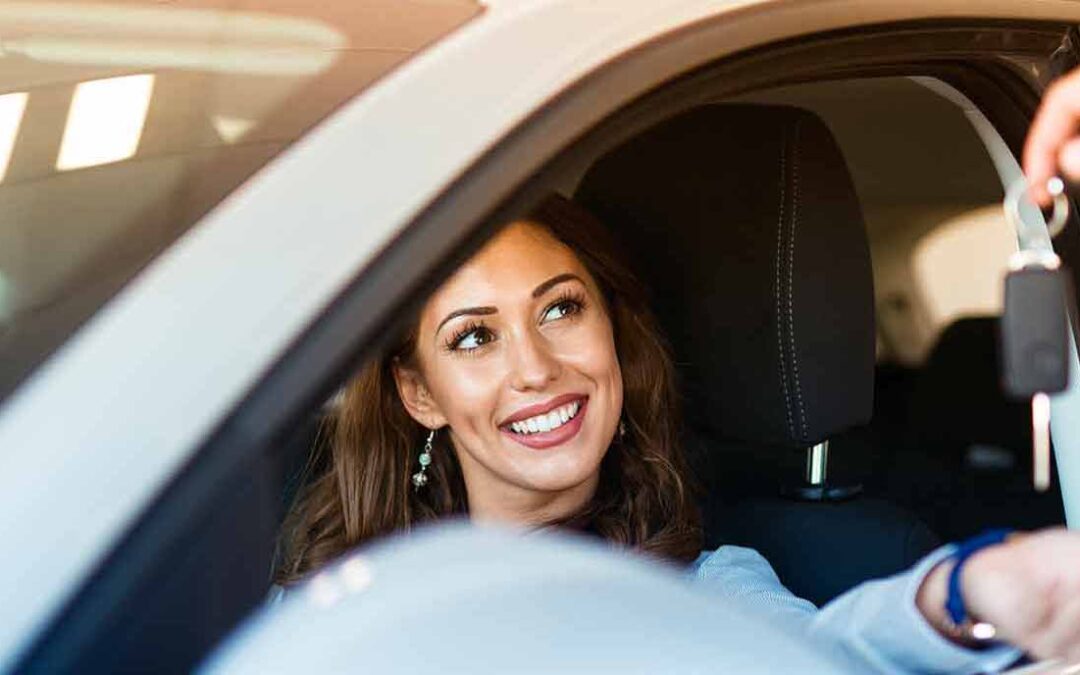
744, 222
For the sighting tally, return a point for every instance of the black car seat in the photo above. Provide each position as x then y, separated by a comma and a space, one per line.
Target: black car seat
744, 222
963, 459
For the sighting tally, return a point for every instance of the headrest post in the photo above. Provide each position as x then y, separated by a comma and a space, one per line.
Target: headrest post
817, 463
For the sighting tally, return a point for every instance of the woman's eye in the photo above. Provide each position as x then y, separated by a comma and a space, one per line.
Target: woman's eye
474, 339
561, 309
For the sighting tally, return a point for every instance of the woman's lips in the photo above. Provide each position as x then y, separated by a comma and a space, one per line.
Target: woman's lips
548, 439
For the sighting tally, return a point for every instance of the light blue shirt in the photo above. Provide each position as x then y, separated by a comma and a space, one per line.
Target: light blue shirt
875, 626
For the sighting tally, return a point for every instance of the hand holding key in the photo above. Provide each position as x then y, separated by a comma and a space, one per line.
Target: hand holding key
1053, 144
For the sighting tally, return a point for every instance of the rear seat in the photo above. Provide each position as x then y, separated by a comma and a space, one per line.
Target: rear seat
962, 456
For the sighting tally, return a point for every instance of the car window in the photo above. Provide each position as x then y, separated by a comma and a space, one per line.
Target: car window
121, 125
959, 266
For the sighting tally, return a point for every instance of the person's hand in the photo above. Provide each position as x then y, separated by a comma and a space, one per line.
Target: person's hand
1052, 143
1028, 588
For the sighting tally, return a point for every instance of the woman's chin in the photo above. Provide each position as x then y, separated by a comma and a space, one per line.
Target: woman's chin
558, 469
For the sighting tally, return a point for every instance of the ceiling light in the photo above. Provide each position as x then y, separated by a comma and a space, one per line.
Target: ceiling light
105, 121
11, 114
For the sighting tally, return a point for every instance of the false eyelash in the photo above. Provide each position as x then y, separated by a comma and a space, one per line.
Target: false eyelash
568, 295
454, 340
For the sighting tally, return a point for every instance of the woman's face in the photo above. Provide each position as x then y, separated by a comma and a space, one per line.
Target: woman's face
515, 354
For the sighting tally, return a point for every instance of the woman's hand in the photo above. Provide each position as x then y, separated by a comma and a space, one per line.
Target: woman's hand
1028, 588
1052, 143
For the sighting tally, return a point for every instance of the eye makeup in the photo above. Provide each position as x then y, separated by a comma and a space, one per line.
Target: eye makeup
572, 298
453, 343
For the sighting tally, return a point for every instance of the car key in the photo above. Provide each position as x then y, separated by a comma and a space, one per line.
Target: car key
1035, 345
1034, 334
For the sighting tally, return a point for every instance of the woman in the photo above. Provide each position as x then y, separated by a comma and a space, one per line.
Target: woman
534, 388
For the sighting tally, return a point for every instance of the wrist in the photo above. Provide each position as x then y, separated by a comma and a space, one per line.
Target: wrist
957, 610
931, 596
943, 596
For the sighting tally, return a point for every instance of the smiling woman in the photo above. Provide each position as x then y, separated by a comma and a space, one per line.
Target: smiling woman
533, 387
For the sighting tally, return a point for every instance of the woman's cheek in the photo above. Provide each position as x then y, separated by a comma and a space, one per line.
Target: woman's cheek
591, 338
478, 376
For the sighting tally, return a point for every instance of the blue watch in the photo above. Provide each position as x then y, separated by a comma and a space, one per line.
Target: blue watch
963, 625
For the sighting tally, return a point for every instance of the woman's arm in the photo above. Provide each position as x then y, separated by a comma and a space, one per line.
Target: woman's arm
876, 627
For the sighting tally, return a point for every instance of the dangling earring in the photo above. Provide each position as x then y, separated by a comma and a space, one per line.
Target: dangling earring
419, 479
622, 430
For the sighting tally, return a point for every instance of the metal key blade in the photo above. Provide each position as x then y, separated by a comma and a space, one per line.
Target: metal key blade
1040, 435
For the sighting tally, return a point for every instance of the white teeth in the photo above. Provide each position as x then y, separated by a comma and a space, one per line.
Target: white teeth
552, 420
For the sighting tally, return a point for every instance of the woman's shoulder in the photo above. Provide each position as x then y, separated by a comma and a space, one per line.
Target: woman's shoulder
743, 574
728, 557
736, 567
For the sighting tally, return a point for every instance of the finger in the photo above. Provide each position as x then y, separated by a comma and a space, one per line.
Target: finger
1069, 160
1055, 124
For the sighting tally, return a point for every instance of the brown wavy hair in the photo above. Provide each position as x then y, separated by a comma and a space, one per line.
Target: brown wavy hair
643, 500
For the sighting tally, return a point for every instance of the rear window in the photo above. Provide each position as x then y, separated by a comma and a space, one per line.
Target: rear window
122, 124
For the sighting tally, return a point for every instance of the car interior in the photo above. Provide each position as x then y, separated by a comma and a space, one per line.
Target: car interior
765, 290
791, 237
944, 441
797, 317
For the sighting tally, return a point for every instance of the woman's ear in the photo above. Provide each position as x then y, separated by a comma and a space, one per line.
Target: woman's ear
416, 397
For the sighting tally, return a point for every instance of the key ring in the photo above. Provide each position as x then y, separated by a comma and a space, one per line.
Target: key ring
1056, 187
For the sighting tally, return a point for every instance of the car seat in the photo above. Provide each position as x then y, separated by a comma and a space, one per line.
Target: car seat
743, 221
963, 460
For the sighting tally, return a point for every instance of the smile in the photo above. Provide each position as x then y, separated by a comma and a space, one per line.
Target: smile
552, 420
550, 428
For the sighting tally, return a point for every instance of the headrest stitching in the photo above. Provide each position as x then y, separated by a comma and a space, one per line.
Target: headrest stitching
791, 277
779, 314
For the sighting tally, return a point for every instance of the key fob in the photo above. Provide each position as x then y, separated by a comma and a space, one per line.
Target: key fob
1034, 331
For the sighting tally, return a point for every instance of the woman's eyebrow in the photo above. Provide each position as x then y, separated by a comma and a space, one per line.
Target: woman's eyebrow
478, 311
537, 292
554, 281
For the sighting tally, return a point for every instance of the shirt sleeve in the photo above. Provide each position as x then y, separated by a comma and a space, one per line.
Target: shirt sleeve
875, 626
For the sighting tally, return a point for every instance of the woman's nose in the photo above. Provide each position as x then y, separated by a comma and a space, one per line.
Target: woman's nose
534, 365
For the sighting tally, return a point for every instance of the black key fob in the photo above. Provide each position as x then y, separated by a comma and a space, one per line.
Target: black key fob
1034, 330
